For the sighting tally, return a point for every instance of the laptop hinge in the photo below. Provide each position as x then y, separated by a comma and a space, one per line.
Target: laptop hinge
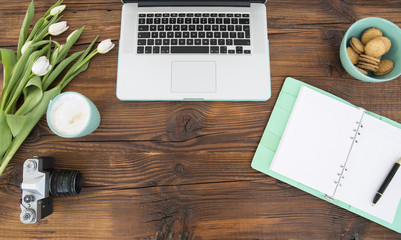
193, 3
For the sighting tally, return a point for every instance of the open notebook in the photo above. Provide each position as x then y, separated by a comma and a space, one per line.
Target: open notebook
334, 150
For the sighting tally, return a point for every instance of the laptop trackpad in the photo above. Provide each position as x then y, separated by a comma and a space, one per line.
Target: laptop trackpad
193, 77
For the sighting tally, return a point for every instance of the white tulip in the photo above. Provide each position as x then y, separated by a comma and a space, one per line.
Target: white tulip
57, 51
105, 46
58, 28
69, 36
57, 9
25, 47
41, 66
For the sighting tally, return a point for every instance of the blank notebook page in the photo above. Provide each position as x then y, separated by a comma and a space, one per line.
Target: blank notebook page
370, 160
316, 140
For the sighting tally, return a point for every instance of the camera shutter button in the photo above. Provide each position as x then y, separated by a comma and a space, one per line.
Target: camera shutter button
29, 198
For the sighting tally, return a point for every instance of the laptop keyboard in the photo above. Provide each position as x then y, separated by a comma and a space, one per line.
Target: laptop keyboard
214, 33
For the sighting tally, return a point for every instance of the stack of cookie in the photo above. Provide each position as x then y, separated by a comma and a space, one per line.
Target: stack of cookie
366, 53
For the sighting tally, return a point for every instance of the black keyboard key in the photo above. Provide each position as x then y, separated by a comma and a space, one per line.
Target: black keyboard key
142, 15
169, 27
184, 27
222, 15
234, 21
181, 42
201, 34
205, 41
166, 41
160, 28
223, 49
243, 21
149, 21
203, 20
158, 15
247, 34
141, 21
209, 34
215, 27
208, 27
214, 15
181, 15
239, 50
190, 42
177, 34
189, 49
164, 20
151, 42
190, 15
240, 35
198, 15
229, 42
155, 34
176, 27
213, 41
192, 27
195, 21
237, 15
174, 41
188, 20
222, 42
170, 34
173, 20
144, 35
194, 34
140, 50
230, 15
166, 14
242, 42
174, 15
205, 15
238, 28
149, 15
162, 35
217, 35
231, 51
219, 20
180, 20
148, 50
247, 51
227, 21
233, 35
165, 49
230, 28
157, 21
143, 28
210, 20
141, 41
224, 34
245, 15
153, 28
185, 34
198, 41
158, 42
199, 27
223, 28
214, 49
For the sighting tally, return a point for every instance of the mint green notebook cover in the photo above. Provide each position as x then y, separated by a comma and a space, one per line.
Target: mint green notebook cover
272, 135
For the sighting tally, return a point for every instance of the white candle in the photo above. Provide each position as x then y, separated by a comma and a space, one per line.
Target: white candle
69, 114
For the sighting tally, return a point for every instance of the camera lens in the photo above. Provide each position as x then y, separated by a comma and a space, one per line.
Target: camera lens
65, 182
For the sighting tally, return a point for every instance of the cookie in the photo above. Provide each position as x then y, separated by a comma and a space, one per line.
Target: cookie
367, 66
387, 43
375, 48
368, 59
370, 34
385, 66
362, 71
356, 45
353, 56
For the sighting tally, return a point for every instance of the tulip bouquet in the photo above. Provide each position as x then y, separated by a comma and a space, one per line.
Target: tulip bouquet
31, 71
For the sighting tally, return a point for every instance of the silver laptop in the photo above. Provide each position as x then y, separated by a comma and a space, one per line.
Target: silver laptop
194, 50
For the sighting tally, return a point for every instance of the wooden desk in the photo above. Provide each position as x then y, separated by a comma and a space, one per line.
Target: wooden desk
181, 170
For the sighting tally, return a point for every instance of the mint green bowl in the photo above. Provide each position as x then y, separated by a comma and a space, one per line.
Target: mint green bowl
390, 30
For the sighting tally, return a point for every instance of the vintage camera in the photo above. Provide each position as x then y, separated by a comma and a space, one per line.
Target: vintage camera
41, 182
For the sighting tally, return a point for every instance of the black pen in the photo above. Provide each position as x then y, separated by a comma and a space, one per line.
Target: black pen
386, 182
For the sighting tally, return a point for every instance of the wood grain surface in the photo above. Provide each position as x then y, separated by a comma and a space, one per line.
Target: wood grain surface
181, 170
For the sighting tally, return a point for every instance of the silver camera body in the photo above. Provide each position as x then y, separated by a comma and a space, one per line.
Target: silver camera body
41, 183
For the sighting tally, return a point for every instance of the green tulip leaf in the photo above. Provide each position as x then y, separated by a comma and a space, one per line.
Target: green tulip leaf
16, 123
33, 94
8, 58
5, 134
25, 27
